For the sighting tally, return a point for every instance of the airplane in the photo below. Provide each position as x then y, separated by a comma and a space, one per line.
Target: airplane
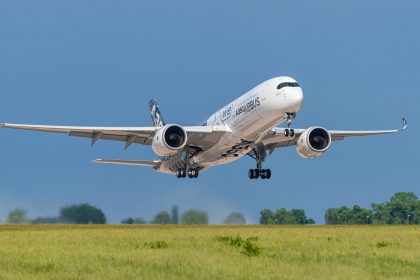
248, 126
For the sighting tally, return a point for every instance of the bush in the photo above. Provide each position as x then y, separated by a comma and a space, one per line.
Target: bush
249, 246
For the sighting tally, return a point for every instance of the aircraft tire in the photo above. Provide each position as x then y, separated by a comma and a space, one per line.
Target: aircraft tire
256, 173
268, 174
251, 174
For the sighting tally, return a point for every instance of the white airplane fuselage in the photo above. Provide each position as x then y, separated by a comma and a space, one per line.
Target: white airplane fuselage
248, 119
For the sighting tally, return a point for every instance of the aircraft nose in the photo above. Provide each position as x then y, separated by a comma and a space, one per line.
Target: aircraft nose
294, 100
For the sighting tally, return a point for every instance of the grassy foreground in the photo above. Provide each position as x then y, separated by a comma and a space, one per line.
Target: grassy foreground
209, 252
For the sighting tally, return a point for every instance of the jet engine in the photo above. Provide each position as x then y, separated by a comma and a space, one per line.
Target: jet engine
313, 142
169, 140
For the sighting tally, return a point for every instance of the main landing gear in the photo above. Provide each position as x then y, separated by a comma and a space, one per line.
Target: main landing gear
187, 171
259, 173
191, 173
259, 155
289, 132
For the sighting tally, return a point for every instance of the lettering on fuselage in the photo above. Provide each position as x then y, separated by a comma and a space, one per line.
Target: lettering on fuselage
244, 145
226, 113
248, 107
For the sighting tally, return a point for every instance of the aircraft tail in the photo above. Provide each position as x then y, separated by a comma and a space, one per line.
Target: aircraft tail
157, 117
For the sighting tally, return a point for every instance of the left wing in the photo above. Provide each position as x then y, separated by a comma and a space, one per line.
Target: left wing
276, 139
129, 162
198, 136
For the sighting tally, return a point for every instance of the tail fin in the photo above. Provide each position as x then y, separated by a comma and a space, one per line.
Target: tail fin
157, 118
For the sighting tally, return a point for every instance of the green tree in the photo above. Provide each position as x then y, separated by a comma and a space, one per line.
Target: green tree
330, 216
267, 217
402, 208
348, 216
128, 221
235, 218
284, 217
359, 215
175, 215
17, 216
162, 218
195, 217
132, 221
82, 214
297, 216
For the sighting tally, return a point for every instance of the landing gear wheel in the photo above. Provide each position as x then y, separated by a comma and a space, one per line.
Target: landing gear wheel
262, 174
181, 173
191, 173
292, 132
256, 173
251, 174
286, 132
268, 174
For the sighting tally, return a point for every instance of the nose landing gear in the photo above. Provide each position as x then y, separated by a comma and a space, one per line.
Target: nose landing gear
289, 131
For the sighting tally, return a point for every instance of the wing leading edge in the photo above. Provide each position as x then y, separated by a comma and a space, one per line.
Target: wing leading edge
199, 136
276, 139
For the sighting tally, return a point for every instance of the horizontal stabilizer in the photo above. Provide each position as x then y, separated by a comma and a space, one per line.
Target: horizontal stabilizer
129, 162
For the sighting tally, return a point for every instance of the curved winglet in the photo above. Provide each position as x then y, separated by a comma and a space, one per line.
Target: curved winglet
405, 124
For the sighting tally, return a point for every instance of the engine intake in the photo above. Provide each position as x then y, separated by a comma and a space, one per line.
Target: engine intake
169, 140
314, 142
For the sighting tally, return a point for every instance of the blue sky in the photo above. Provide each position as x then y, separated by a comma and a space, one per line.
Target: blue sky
100, 62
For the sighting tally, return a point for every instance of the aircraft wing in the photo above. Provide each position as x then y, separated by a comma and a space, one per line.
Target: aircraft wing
276, 139
129, 162
198, 136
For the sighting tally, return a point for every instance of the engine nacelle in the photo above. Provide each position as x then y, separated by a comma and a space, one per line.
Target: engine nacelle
313, 142
169, 139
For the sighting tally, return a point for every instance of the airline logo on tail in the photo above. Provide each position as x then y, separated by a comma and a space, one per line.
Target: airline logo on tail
157, 118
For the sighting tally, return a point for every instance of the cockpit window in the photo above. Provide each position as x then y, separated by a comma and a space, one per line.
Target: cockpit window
282, 85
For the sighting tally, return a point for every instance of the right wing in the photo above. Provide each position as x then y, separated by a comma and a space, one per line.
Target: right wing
276, 139
202, 137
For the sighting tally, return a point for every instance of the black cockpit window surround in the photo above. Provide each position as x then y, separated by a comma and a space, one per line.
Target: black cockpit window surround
287, 84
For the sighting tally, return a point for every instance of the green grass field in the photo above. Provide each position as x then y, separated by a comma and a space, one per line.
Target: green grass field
209, 252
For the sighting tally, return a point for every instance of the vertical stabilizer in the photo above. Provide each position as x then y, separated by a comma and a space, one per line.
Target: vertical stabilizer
157, 117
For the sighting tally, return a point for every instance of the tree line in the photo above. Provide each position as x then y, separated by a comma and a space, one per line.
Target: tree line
189, 217
402, 208
73, 214
88, 214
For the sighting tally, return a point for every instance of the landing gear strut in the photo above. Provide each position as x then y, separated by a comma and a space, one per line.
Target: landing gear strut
259, 155
289, 131
187, 171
